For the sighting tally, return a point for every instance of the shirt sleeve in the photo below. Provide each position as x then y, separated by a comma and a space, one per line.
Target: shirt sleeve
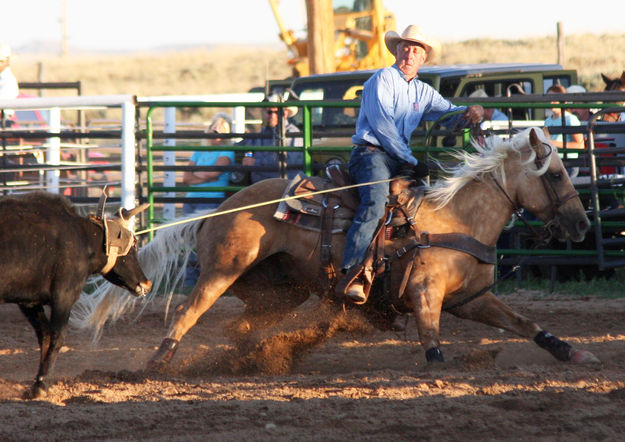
439, 106
378, 104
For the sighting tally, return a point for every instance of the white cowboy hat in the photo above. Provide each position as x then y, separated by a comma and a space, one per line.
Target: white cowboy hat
414, 34
576, 89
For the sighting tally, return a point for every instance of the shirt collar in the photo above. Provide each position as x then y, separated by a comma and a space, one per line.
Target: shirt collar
402, 75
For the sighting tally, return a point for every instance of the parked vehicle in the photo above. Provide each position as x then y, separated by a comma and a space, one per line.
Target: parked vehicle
333, 126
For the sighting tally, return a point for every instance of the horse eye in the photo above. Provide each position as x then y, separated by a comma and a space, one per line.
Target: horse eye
556, 176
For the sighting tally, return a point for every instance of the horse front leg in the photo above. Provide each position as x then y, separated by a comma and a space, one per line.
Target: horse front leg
488, 309
203, 296
426, 299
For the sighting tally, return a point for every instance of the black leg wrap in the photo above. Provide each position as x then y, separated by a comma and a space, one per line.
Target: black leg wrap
434, 355
558, 348
166, 351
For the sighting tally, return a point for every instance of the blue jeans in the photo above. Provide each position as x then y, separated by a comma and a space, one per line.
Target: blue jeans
367, 164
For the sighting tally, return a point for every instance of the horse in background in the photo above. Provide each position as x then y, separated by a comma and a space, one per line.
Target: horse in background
246, 251
614, 84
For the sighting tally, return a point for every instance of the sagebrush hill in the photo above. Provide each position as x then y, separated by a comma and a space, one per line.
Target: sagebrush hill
228, 69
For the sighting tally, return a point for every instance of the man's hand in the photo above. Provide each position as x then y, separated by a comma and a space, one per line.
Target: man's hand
421, 170
417, 172
474, 114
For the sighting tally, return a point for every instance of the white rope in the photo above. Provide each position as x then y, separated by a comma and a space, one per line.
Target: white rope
264, 203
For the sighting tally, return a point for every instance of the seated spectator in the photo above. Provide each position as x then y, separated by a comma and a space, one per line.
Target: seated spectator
581, 114
8, 83
490, 113
573, 141
270, 137
220, 124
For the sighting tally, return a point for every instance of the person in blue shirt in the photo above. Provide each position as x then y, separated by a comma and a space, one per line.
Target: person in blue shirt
286, 164
394, 101
206, 179
490, 113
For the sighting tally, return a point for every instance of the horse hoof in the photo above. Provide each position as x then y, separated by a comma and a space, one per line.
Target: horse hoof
37, 391
583, 357
434, 355
156, 366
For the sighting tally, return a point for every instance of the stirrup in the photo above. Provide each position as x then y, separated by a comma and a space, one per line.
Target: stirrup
356, 292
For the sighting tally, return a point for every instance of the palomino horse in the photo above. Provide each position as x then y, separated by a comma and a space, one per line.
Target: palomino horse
240, 250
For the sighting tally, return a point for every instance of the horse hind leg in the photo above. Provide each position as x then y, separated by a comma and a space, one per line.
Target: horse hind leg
269, 293
489, 310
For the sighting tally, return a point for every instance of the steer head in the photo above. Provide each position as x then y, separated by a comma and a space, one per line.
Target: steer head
120, 244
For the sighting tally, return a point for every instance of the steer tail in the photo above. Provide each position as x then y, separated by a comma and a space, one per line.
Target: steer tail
163, 260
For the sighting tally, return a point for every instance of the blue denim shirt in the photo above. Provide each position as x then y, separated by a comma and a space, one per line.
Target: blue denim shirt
392, 108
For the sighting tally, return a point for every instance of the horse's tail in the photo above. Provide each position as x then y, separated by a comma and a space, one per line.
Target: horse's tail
163, 260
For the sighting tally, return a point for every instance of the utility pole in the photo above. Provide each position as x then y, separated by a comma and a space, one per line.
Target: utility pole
64, 28
320, 36
560, 38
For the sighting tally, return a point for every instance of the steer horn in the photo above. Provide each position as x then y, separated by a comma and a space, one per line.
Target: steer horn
127, 214
100, 211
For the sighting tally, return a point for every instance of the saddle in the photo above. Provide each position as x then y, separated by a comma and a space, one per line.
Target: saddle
305, 207
311, 204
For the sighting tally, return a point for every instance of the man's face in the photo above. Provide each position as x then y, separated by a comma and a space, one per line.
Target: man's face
410, 57
272, 116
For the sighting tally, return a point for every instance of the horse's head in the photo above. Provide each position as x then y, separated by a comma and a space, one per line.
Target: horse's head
544, 188
614, 84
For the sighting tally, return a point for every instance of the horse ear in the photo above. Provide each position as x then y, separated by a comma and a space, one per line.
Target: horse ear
536, 143
623, 78
606, 79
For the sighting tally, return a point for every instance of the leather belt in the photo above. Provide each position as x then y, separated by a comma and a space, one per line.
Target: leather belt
370, 146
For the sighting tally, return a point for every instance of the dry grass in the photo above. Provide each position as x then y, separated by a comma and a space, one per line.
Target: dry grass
236, 69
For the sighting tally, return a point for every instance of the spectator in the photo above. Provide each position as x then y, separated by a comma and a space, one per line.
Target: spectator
8, 83
573, 141
490, 113
581, 114
270, 132
221, 123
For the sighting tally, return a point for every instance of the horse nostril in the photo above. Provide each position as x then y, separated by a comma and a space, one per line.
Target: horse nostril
583, 226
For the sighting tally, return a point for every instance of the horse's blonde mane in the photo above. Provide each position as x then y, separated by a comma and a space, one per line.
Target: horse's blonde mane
488, 159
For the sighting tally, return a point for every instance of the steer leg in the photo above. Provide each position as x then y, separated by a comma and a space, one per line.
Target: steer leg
57, 331
489, 310
37, 318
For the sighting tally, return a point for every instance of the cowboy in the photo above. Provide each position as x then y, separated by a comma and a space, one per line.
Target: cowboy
394, 101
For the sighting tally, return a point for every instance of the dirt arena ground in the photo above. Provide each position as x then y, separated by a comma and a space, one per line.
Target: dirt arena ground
347, 382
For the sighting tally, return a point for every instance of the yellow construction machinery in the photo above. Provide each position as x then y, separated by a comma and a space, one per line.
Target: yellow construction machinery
358, 28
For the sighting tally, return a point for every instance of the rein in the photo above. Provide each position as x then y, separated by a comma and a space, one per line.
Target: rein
555, 201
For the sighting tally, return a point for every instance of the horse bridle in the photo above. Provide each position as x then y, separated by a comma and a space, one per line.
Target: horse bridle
556, 202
